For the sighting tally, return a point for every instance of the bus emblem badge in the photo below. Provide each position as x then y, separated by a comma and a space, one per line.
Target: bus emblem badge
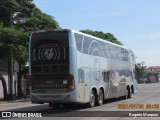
48, 53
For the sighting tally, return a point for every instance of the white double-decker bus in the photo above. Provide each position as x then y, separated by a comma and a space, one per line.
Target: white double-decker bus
67, 66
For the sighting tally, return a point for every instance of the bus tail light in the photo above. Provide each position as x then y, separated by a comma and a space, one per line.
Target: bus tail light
71, 83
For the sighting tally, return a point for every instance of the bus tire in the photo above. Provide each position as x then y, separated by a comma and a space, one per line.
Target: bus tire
100, 98
92, 100
129, 94
132, 89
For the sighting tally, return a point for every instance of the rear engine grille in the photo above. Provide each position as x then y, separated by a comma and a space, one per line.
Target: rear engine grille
50, 76
50, 81
50, 69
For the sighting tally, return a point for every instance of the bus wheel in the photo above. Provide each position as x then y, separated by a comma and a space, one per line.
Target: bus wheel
100, 98
92, 99
129, 93
132, 89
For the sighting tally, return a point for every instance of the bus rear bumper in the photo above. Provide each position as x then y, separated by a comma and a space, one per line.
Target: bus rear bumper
53, 98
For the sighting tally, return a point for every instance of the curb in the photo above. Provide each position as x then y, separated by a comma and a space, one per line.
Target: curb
15, 101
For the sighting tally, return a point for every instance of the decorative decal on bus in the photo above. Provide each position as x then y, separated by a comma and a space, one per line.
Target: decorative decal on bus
50, 52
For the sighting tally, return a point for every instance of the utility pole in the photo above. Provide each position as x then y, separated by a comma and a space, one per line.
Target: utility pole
10, 64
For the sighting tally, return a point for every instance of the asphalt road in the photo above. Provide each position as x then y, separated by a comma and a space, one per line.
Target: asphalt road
144, 103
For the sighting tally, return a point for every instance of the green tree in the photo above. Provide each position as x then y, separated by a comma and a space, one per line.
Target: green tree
18, 18
35, 21
106, 36
140, 71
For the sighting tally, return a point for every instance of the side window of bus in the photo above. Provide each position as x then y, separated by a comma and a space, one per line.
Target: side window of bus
95, 48
79, 41
125, 56
105, 75
80, 76
86, 44
134, 73
90, 46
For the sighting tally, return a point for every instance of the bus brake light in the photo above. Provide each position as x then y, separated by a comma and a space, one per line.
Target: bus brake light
71, 83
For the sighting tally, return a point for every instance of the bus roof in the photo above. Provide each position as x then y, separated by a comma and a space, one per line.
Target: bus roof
75, 31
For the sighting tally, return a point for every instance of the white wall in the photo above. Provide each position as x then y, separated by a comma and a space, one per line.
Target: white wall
5, 75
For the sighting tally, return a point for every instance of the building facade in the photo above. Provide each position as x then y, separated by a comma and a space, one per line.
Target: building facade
153, 73
153, 69
4, 74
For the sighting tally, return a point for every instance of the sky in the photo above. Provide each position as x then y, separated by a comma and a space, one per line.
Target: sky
136, 23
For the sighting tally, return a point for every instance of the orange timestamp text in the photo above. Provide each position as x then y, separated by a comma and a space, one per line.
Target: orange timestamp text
138, 106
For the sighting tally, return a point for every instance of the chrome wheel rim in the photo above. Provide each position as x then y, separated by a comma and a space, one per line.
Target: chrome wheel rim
92, 99
100, 97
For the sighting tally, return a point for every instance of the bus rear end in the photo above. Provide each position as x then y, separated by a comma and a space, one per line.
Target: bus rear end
50, 80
